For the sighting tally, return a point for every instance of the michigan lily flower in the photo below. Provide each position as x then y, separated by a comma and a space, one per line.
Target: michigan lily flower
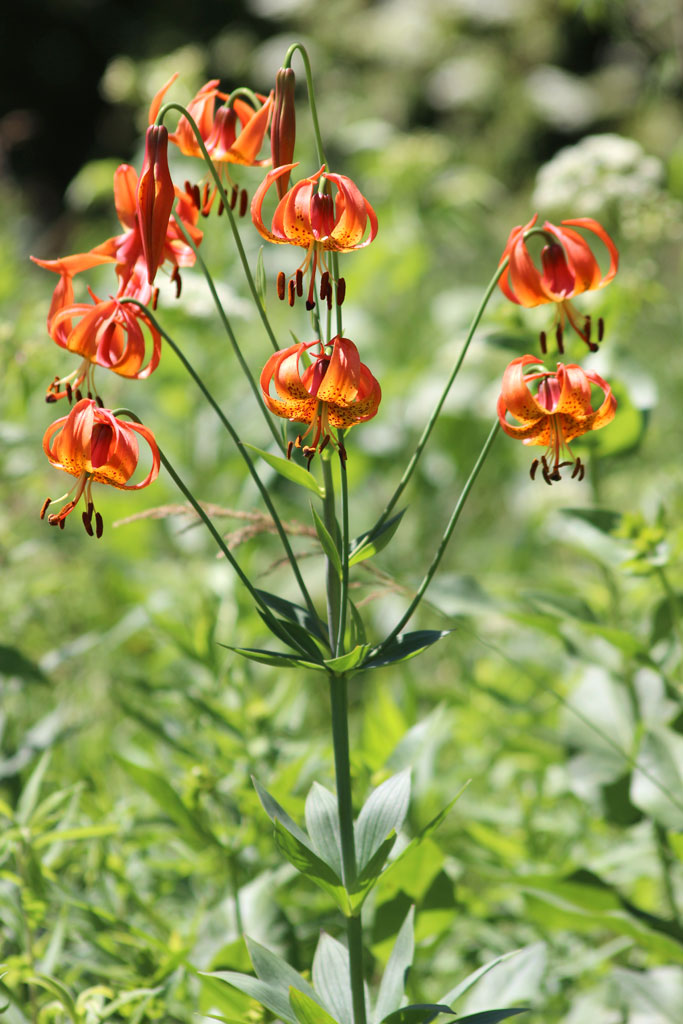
95, 447
568, 267
126, 250
311, 218
334, 390
108, 333
217, 127
557, 410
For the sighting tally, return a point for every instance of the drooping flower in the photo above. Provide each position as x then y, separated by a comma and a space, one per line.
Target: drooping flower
314, 220
96, 447
107, 333
559, 409
568, 268
334, 390
126, 250
155, 198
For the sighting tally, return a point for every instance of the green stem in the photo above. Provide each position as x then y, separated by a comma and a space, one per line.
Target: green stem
342, 766
672, 599
231, 217
332, 581
311, 95
667, 861
344, 551
231, 336
410, 468
263, 490
446, 536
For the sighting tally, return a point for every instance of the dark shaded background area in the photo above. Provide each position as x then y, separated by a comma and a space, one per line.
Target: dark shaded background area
52, 115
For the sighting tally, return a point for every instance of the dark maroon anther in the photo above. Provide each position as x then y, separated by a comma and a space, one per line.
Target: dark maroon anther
582, 472
89, 395
50, 397
324, 285
601, 329
559, 335
244, 201
155, 299
99, 401
221, 207
588, 327
543, 339
196, 196
99, 525
233, 196
290, 445
329, 298
62, 523
175, 277
299, 282
534, 467
78, 394
281, 285
44, 507
324, 443
291, 292
189, 189
69, 393
87, 522
342, 452
310, 305
341, 290
206, 205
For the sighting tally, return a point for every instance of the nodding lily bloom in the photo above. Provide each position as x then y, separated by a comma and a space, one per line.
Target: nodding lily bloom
155, 198
558, 409
126, 250
109, 333
568, 268
307, 217
283, 128
334, 390
95, 447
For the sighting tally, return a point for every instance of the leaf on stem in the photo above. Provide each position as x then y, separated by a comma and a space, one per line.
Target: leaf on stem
327, 542
280, 658
293, 613
290, 470
368, 544
393, 985
404, 646
383, 813
331, 977
349, 661
417, 1013
307, 1010
322, 822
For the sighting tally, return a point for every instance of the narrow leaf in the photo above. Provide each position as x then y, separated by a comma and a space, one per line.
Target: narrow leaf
280, 658
312, 866
322, 822
275, 971
466, 984
347, 662
327, 542
292, 634
417, 1013
294, 613
31, 792
290, 470
58, 990
393, 984
331, 977
277, 813
383, 812
270, 996
491, 1016
368, 544
405, 645
424, 834
307, 1010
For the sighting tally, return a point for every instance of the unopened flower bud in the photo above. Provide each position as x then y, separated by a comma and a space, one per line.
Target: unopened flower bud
283, 128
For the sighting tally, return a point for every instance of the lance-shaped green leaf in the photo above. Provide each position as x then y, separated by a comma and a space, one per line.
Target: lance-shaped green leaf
417, 1013
491, 1016
59, 991
404, 646
307, 1010
383, 813
322, 822
393, 985
331, 977
294, 635
192, 827
279, 658
294, 613
290, 470
368, 544
327, 543
349, 661
466, 984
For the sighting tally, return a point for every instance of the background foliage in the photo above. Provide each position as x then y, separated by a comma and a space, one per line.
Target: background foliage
128, 737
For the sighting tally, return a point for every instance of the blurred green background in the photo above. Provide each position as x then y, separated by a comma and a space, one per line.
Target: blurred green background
458, 120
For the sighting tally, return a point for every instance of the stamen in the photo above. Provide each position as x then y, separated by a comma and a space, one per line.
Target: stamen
87, 519
290, 445
342, 451
99, 525
99, 401
45, 506
329, 298
155, 298
50, 397
175, 277
601, 329
79, 394
196, 196
290, 291
324, 285
221, 207
233, 197
543, 339
559, 334
206, 205
299, 282
244, 199
534, 467
588, 326
281, 285
341, 290
324, 443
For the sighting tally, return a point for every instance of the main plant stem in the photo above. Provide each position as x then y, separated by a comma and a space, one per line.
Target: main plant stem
342, 765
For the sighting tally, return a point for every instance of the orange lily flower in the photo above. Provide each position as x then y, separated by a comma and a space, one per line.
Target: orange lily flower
559, 410
335, 390
568, 268
310, 218
109, 334
96, 447
126, 250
